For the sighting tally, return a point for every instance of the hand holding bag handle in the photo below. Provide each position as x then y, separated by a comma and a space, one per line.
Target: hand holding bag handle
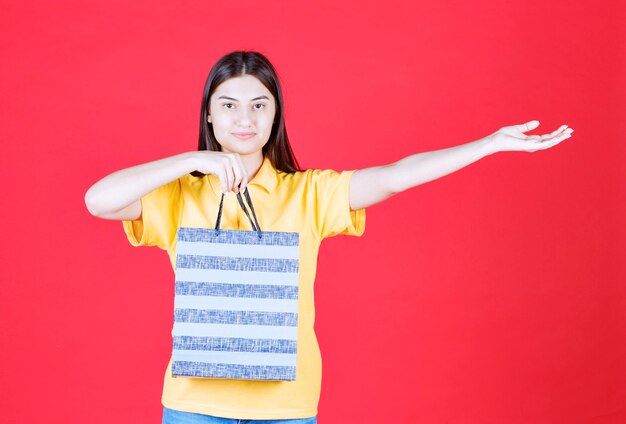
256, 227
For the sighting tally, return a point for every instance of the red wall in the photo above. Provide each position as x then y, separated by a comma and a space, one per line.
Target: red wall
494, 295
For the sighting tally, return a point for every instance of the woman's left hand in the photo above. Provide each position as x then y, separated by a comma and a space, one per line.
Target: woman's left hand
512, 138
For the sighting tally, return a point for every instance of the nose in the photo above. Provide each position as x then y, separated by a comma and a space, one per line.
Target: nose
244, 119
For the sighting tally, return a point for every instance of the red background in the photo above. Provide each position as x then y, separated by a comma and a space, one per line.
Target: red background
493, 295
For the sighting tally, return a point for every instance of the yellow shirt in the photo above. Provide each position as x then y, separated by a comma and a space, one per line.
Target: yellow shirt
314, 203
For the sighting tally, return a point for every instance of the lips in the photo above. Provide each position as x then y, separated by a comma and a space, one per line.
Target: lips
244, 135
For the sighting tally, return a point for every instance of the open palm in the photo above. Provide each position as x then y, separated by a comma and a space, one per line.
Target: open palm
512, 138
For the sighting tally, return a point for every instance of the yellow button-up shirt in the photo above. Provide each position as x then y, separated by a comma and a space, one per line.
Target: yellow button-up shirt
314, 203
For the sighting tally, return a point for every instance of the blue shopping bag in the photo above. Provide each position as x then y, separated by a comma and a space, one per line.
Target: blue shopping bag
236, 302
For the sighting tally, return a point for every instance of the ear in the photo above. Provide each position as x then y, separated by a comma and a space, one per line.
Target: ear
208, 119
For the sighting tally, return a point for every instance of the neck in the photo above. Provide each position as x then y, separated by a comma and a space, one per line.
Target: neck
252, 163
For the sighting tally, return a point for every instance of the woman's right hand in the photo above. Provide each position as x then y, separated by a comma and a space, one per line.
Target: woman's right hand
228, 167
118, 195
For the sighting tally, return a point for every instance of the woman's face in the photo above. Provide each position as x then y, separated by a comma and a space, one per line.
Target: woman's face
242, 114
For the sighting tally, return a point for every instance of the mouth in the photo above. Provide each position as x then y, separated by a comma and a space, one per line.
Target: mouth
244, 135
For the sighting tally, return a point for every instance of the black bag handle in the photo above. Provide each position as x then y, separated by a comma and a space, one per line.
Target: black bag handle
256, 227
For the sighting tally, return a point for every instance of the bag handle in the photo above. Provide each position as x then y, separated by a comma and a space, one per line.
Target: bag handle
256, 227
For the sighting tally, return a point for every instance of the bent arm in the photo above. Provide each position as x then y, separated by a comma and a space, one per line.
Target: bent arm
118, 195
373, 185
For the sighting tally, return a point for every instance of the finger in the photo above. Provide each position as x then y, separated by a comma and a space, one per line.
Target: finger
530, 125
560, 130
221, 174
237, 172
556, 140
244, 174
554, 133
228, 169
548, 144
560, 136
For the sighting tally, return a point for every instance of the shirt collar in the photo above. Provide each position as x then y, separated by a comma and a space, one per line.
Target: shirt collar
266, 176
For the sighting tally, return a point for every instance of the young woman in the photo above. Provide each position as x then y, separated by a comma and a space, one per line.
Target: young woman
243, 147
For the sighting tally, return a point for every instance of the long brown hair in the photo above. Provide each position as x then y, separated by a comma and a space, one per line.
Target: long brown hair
236, 64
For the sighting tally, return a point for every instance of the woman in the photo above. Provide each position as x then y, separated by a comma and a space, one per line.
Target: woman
243, 147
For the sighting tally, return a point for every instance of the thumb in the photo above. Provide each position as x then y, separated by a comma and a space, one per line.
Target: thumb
531, 125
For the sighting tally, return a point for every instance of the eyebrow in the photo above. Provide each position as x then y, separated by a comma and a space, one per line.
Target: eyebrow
256, 98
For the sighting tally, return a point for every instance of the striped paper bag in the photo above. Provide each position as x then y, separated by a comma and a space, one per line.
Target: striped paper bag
236, 302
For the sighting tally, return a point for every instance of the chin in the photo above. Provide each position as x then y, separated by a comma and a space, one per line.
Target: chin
243, 150
243, 147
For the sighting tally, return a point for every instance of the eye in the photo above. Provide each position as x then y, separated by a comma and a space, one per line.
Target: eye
258, 106
228, 105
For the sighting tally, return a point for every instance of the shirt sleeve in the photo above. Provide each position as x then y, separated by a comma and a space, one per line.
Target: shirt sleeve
333, 215
158, 222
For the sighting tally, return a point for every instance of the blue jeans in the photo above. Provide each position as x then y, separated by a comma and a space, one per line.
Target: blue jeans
171, 416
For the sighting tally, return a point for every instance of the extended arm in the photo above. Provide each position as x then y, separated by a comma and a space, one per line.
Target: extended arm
373, 185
